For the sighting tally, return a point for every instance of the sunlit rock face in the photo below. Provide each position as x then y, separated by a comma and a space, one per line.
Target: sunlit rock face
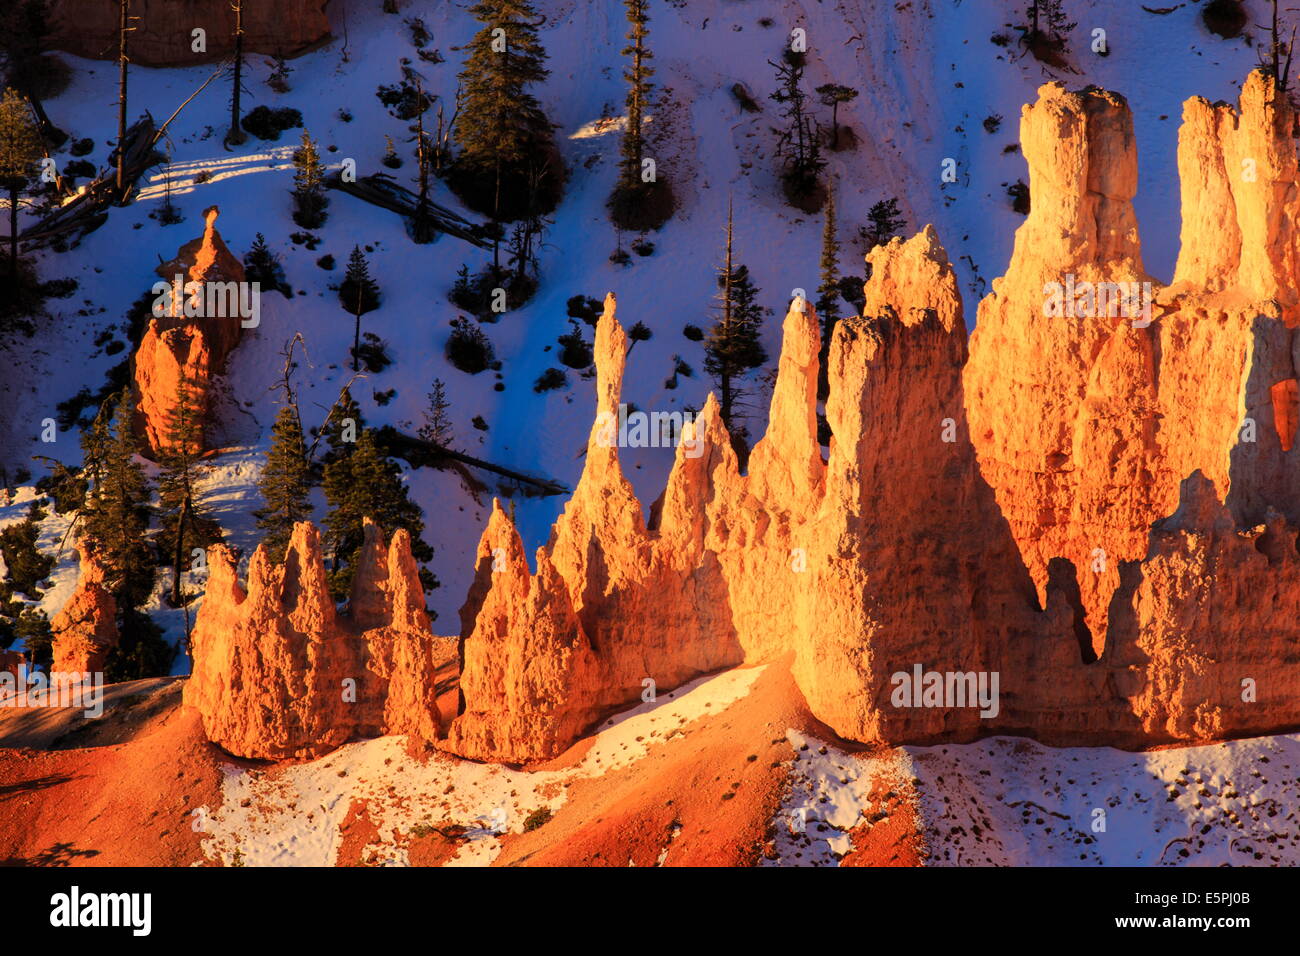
186, 346
1080, 524
279, 673
85, 629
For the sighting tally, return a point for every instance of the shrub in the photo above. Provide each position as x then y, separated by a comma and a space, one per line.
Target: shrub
537, 819
82, 147
1019, 193
642, 207
468, 349
694, 333
79, 168
586, 308
373, 354
575, 351
267, 123
550, 380
1224, 17
404, 101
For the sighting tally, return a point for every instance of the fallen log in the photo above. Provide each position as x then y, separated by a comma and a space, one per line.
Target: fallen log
382, 190
417, 452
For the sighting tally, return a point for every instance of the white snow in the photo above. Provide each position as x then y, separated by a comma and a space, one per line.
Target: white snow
1010, 801
290, 816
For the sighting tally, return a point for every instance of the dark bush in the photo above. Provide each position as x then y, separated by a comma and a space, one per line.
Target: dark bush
373, 354
642, 207
267, 123
575, 351
586, 308
468, 349
549, 380
1227, 18
693, 332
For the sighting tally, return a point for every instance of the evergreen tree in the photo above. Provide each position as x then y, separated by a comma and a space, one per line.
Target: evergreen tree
116, 514
437, 428
832, 95
797, 144
262, 266
367, 484
734, 346
502, 129
358, 294
308, 185
236, 135
185, 522
828, 293
883, 223
638, 203
25, 569
284, 484
343, 427
638, 93
20, 152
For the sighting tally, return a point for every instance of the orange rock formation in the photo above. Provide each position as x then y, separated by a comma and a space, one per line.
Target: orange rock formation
85, 629
277, 673
1096, 509
176, 348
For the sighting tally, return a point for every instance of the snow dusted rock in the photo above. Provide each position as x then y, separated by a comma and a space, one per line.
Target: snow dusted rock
177, 347
85, 629
277, 673
163, 34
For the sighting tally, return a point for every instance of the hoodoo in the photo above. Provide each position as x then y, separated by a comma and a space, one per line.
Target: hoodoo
1090, 516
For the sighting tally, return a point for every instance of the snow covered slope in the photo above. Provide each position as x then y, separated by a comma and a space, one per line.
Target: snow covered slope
929, 74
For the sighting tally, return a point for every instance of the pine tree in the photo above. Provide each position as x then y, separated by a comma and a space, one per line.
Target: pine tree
185, 523
828, 293
262, 266
437, 427
284, 484
358, 294
236, 134
883, 223
124, 30
20, 151
734, 346
366, 484
116, 514
638, 93
832, 95
308, 184
797, 144
502, 128
343, 427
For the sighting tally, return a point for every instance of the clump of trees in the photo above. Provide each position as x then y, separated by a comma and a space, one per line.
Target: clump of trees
114, 519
